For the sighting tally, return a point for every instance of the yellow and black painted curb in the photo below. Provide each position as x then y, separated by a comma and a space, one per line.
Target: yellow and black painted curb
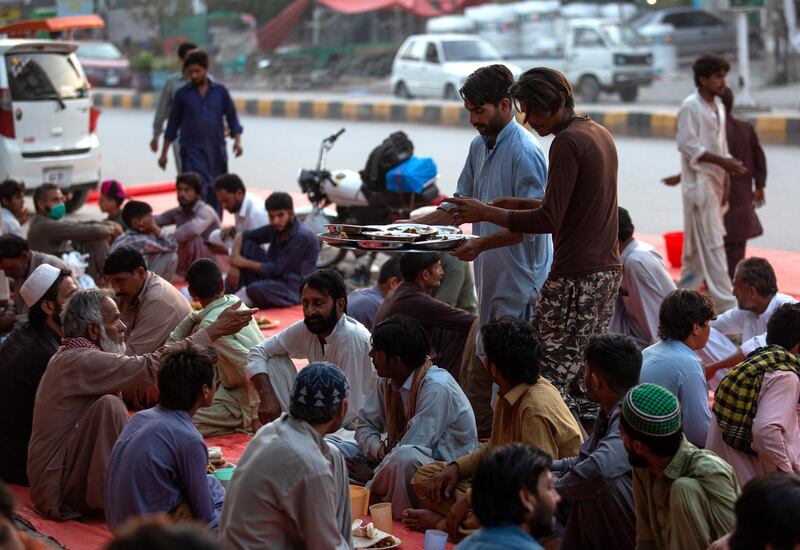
774, 129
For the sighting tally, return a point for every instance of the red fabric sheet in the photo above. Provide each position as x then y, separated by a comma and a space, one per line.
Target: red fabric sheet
93, 534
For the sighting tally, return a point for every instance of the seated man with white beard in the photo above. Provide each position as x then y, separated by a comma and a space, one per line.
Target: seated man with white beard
77, 417
326, 334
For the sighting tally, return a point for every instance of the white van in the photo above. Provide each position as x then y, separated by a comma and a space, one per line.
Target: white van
47, 121
436, 65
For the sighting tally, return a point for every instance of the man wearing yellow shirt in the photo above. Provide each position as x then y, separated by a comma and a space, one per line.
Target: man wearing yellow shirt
529, 410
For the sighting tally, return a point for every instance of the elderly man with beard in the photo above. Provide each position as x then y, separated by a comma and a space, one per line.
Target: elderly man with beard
272, 278
25, 355
326, 334
514, 497
77, 417
194, 221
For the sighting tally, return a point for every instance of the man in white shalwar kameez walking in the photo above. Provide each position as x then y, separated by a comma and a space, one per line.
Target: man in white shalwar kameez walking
705, 165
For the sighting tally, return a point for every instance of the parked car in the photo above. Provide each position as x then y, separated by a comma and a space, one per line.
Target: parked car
104, 64
47, 121
600, 55
693, 32
436, 65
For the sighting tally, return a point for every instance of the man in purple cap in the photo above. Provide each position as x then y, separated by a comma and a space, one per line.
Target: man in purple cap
112, 195
26, 353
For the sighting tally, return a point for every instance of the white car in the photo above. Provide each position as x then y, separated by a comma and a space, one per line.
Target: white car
436, 65
47, 121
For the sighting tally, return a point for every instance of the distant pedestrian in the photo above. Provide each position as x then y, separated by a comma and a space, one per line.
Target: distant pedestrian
174, 83
741, 222
705, 165
197, 111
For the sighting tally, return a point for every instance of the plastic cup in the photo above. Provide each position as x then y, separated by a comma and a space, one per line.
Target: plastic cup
224, 474
359, 500
381, 515
435, 539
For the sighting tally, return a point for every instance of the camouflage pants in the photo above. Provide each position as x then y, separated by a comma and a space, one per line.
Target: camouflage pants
569, 312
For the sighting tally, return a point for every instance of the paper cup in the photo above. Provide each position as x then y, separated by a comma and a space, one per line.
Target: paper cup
381, 515
435, 539
359, 501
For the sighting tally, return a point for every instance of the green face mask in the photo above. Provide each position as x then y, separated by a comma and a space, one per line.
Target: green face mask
57, 212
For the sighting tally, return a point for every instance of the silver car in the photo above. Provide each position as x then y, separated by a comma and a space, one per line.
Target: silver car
694, 32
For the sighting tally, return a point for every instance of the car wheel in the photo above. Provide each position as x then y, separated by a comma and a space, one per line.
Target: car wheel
401, 91
450, 92
588, 89
629, 94
77, 199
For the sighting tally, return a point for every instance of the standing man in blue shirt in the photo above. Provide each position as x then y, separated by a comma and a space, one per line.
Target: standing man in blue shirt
684, 325
197, 111
505, 161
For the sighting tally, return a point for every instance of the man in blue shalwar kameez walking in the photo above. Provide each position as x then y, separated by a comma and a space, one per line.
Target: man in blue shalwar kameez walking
197, 111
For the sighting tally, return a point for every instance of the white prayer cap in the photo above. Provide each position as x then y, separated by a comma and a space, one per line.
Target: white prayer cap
38, 283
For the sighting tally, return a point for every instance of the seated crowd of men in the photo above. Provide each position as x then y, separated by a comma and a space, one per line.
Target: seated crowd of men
517, 419
380, 404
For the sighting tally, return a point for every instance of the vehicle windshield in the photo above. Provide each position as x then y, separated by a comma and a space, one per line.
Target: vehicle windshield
622, 35
469, 50
98, 50
42, 76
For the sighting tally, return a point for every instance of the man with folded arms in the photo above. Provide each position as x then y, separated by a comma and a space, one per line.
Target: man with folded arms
290, 488
529, 410
77, 417
420, 407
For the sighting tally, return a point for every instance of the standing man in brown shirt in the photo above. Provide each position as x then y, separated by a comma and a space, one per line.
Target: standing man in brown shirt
741, 222
580, 210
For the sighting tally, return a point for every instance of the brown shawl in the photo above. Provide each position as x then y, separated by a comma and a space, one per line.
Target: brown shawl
396, 417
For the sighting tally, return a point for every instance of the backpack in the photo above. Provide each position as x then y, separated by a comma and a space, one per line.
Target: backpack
394, 150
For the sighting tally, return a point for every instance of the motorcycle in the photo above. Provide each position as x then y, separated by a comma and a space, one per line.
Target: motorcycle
356, 203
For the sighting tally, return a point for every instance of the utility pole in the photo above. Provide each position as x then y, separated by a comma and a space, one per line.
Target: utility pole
743, 97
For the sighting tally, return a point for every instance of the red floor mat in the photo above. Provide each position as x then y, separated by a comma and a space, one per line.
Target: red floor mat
93, 534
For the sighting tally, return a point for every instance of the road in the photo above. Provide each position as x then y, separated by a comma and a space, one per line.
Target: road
275, 149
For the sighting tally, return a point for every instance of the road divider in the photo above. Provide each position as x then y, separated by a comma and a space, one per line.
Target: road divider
771, 128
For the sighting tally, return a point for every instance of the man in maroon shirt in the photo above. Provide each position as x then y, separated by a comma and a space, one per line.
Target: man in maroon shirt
580, 210
741, 222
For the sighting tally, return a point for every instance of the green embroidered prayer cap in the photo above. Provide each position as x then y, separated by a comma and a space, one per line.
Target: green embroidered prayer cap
652, 410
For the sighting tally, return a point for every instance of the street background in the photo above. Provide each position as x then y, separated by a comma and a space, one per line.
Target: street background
276, 149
